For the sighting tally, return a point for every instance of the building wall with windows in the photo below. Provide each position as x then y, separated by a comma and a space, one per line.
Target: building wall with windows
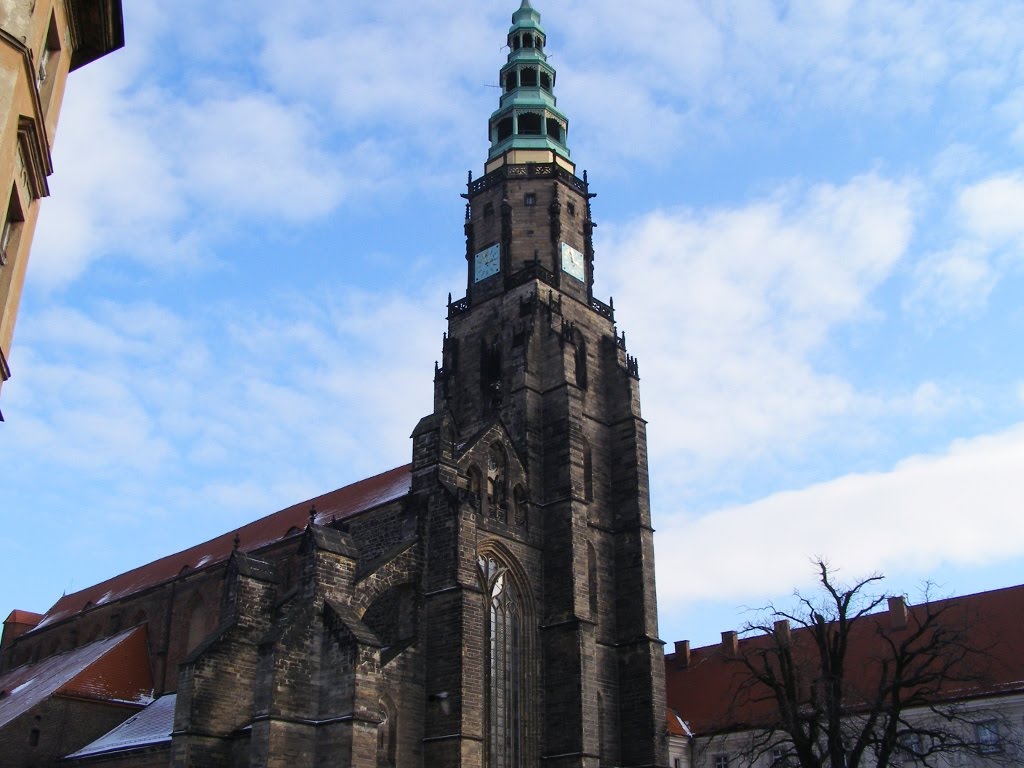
1001, 728
978, 697
41, 41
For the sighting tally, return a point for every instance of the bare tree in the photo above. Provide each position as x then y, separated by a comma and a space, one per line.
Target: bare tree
838, 683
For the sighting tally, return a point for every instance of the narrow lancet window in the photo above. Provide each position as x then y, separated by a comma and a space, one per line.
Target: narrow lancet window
505, 666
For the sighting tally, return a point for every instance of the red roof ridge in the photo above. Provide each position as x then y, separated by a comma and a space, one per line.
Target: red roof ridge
879, 614
347, 501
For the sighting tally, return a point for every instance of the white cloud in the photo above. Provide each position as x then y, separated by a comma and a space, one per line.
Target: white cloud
956, 280
991, 209
729, 309
987, 235
961, 506
700, 65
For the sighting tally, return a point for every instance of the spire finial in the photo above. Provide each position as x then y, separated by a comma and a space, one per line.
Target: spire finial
238, 542
312, 515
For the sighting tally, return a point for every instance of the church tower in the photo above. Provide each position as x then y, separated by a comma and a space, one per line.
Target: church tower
537, 608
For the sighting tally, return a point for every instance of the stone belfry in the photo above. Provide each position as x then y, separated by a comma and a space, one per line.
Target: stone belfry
538, 610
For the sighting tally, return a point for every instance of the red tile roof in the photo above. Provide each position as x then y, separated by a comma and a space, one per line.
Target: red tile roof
341, 504
704, 691
675, 724
23, 617
115, 669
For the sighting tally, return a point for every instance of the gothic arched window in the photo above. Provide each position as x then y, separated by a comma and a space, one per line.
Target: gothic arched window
506, 666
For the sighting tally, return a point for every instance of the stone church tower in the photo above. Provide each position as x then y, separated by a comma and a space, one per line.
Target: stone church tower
491, 605
539, 583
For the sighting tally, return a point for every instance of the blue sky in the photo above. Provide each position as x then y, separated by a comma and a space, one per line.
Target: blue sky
809, 216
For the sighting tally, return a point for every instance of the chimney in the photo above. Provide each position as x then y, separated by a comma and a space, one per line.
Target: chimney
897, 612
730, 643
782, 632
683, 653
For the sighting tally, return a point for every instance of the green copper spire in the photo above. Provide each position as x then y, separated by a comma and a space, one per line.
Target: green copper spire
527, 117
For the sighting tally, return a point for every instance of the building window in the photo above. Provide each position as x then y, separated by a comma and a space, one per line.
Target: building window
48, 57
989, 741
677, 762
530, 199
571, 208
554, 129
909, 746
504, 128
721, 761
33, 737
11, 228
529, 124
506, 665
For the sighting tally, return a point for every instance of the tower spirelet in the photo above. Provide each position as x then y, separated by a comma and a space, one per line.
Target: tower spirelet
527, 117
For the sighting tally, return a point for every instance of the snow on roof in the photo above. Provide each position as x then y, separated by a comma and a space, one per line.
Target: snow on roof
106, 670
151, 726
340, 504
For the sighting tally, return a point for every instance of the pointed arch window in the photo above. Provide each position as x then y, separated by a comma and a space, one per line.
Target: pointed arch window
387, 736
506, 665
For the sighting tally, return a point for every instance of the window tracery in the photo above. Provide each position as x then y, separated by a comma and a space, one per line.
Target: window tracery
505, 666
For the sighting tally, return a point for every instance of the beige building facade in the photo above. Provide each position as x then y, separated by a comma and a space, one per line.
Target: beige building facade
41, 41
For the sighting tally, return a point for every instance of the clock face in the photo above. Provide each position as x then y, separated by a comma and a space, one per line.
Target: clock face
486, 263
572, 262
